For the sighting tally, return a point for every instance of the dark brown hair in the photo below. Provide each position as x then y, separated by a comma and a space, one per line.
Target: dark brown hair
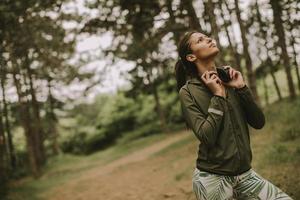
183, 67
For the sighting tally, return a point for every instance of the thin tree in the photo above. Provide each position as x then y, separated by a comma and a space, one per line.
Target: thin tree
263, 27
279, 29
235, 58
250, 74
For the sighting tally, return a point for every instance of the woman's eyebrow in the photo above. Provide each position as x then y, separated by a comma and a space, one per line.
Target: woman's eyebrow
201, 36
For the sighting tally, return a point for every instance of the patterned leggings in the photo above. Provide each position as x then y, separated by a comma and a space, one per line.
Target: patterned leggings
246, 186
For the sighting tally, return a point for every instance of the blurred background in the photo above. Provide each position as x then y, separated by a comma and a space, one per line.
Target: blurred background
89, 108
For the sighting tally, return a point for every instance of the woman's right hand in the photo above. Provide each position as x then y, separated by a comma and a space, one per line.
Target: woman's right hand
214, 83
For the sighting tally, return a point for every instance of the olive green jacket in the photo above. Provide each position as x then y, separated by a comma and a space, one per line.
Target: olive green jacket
221, 125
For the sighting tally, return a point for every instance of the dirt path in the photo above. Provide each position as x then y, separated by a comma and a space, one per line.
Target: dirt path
135, 176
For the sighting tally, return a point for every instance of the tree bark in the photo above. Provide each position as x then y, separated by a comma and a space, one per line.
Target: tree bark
266, 93
11, 151
295, 60
26, 121
3, 160
193, 19
277, 13
269, 60
236, 61
52, 121
214, 30
250, 74
176, 34
39, 133
275, 82
158, 106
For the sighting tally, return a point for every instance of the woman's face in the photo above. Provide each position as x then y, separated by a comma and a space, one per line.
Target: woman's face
202, 46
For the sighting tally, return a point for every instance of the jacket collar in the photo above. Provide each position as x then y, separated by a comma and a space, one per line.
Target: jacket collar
198, 81
195, 80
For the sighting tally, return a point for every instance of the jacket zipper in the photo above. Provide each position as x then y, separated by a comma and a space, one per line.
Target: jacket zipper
234, 133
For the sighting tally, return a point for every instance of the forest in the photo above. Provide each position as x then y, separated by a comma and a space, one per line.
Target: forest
55, 101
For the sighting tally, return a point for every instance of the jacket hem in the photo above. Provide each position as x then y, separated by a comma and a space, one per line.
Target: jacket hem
223, 173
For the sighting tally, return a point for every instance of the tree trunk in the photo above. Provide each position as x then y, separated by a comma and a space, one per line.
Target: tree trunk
265, 90
250, 74
295, 61
160, 110
276, 85
52, 121
235, 61
214, 30
176, 34
3, 160
39, 133
11, 151
293, 26
158, 106
193, 19
26, 121
277, 13
269, 60
274, 78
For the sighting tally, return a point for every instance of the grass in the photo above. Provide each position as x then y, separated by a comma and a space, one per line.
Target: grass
276, 148
173, 146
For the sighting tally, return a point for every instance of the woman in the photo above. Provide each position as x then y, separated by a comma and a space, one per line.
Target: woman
219, 114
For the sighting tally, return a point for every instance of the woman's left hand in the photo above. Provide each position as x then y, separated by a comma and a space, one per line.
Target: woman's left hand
237, 80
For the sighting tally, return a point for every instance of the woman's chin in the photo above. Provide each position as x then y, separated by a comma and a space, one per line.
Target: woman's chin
210, 53
216, 48
214, 51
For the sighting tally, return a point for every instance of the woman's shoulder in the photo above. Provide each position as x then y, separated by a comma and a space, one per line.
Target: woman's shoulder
194, 90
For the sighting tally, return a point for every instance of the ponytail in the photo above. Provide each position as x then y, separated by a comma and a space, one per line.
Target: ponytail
183, 67
180, 74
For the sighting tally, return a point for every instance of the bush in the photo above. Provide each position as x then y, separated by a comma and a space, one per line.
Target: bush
74, 144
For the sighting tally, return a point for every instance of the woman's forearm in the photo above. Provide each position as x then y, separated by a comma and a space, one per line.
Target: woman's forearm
254, 114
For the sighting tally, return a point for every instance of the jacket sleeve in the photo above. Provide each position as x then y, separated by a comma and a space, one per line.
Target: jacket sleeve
205, 126
254, 114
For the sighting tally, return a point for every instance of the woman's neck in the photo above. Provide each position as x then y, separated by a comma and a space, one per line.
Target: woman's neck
204, 65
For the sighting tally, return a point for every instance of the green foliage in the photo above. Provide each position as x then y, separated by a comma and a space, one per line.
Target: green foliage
110, 116
98, 125
146, 112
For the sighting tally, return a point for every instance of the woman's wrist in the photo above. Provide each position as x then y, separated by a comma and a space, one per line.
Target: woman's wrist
219, 93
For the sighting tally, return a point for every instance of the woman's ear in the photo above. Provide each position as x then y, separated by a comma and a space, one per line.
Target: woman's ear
191, 57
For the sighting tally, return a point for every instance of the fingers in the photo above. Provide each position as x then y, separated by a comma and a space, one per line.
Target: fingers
232, 72
235, 74
209, 75
203, 77
212, 81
